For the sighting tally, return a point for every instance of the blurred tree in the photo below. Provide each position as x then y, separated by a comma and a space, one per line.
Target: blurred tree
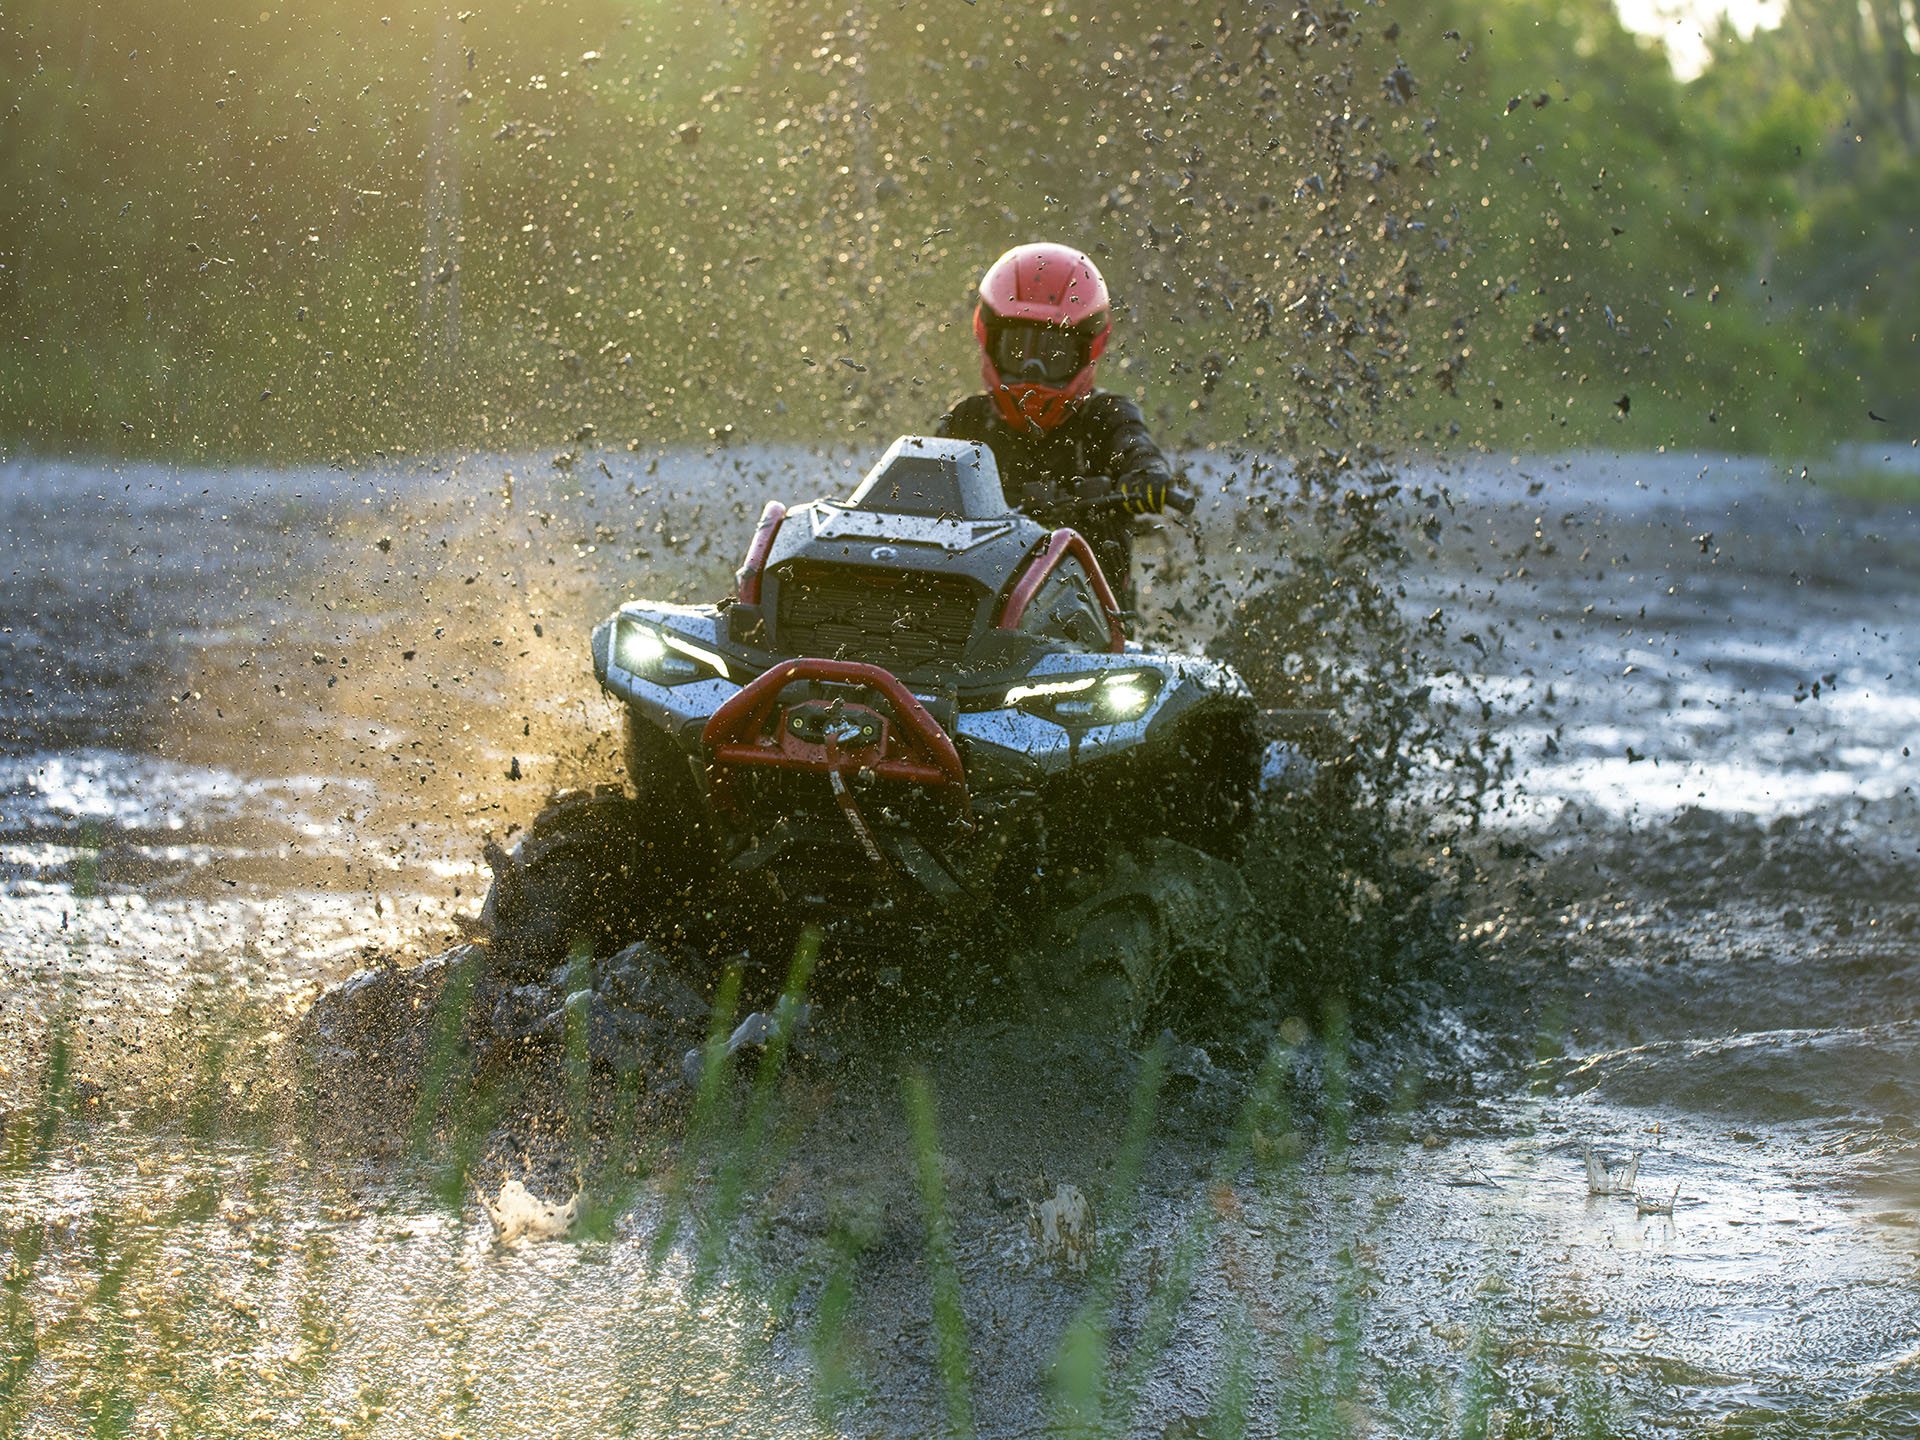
1862, 48
1829, 99
319, 228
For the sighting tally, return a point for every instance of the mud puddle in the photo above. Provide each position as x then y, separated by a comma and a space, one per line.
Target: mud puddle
232, 774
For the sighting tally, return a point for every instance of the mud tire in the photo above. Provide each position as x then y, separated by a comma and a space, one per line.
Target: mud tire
576, 878
1201, 791
682, 841
1170, 936
653, 768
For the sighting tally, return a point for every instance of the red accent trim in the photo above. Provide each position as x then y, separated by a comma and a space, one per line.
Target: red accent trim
1059, 546
918, 752
757, 552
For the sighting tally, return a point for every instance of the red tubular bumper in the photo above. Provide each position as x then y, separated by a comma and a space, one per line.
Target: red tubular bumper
914, 749
1059, 546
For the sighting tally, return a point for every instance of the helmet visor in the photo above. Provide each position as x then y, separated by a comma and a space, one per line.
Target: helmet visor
1036, 353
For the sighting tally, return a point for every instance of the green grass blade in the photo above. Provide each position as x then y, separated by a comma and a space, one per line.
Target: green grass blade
949, 1318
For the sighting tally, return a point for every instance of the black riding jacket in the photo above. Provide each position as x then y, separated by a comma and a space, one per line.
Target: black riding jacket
1105, 435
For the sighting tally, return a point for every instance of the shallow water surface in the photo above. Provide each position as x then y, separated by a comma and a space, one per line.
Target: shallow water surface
254, 727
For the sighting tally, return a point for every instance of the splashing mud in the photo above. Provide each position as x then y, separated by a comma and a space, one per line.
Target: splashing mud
1720, 984
519, 1215
1545, 1066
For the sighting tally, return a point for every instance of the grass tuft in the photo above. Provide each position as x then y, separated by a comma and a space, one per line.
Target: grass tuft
949, 1318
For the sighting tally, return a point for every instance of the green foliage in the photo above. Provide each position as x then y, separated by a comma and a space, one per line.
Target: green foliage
144, 1317
319, 230
706, 1127
949, 1319
748, 1156
446, 1064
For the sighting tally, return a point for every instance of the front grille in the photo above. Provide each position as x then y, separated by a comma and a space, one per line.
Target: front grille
903, 619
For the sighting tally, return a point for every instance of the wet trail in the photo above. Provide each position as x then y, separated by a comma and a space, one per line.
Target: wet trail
254, 728
1712, 691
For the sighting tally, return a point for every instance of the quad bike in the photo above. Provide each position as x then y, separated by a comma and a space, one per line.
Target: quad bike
918, 704
919, 699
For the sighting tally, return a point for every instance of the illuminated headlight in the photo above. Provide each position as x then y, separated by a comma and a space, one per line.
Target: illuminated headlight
637, 647
1126, 697
1051, 690
661, 656
1089, 699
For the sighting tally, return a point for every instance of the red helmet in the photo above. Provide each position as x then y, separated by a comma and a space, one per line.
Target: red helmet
1042, 321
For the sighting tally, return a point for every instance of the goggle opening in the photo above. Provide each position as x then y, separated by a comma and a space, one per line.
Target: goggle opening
1027, 351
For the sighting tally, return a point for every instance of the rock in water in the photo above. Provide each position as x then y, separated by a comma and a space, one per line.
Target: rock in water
519, 1215
1062, 1228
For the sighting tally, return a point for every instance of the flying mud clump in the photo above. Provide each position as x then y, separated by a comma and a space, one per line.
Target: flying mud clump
1133, 839
1128, 882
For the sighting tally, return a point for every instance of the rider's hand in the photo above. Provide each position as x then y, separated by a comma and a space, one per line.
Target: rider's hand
1145, 497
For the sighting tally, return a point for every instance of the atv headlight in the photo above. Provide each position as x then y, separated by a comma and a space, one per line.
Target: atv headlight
661, 656
637, 648
1050, 692
1108, 699
1126, 697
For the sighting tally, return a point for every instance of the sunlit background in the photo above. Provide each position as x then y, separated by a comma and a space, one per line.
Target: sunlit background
1688, 28
325, 228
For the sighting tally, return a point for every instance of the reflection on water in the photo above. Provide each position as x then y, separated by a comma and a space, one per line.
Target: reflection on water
212, 1290
62, 789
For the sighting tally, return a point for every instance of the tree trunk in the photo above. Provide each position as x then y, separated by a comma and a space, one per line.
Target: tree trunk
1891, 25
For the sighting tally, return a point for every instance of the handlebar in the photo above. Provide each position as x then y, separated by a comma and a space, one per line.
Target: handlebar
1108, 498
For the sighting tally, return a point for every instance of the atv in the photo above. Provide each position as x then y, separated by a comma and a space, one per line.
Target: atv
917, 702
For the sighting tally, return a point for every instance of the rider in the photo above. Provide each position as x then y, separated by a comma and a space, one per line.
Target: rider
1068, 453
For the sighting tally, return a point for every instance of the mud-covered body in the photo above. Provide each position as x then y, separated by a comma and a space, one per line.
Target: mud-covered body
920, 696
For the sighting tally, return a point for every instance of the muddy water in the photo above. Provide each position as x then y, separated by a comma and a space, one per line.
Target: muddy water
254, 727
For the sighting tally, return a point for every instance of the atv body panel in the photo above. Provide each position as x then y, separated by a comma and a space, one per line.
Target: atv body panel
920, 698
